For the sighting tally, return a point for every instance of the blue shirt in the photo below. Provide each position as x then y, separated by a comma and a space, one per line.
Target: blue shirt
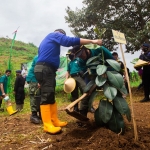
49, 49
31, 76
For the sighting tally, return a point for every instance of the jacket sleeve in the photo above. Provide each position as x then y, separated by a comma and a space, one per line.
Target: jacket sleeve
107, 53
66, 40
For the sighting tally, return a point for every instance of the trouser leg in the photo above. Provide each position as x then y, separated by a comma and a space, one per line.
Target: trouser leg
1, 109
84, 102
75, 95
46, 78
33, 103
146, 84
0, 103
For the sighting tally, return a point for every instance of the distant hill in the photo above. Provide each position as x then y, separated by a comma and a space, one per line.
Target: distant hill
21, 53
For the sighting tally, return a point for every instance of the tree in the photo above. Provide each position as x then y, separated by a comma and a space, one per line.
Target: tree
131, 17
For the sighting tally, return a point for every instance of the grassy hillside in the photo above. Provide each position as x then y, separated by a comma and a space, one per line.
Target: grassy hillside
21, 53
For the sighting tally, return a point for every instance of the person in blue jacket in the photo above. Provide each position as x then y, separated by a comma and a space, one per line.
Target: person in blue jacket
45, 73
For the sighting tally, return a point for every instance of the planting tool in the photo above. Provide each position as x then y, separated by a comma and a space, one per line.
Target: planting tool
70, 110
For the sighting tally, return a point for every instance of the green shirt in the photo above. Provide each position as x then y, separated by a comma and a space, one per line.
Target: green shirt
31, 76
4, 80
77, 65
107, 54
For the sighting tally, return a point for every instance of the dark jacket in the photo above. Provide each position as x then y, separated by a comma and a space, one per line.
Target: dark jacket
19, 84
146, 57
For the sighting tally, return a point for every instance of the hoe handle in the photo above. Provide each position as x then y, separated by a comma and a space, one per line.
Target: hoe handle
68, 108
75, 102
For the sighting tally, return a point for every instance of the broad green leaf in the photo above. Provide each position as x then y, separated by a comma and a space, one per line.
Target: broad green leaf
91, 99
114, 64
101, 69
109, 91
90, 60
88, 86
115, 78
116, 122
123, 90
105, 110
95, 63
98, 120
100, 80
120, 104
93, 67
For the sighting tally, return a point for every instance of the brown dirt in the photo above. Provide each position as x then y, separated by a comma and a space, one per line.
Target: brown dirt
17, 133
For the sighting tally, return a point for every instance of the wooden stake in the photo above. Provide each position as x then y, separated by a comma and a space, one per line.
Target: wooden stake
130, 93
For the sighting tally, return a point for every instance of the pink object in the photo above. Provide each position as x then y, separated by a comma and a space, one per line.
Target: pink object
140, 72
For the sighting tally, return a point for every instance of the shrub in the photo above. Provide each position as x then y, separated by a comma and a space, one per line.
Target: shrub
105, 74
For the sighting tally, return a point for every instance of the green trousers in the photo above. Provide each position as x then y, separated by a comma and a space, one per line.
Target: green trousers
33, 91
80, 84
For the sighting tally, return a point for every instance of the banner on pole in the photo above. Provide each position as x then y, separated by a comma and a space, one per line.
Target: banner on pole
119, 37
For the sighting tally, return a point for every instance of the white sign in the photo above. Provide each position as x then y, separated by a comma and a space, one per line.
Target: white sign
119, 37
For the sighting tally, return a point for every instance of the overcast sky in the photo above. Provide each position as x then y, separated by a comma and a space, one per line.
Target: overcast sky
37, 18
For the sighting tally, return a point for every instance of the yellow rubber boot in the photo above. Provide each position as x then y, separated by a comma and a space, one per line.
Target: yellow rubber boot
10, 110
46, 118
56, 122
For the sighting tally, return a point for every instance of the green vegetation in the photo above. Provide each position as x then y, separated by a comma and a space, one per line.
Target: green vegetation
21, 53
112, 107
134, 79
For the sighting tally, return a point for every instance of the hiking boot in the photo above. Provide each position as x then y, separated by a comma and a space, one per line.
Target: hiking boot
84, 112
145, 100
34, 118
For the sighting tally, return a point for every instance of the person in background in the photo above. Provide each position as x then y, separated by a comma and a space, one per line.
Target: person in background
19, 90
75, 70
34, 90
146, 71
1, 109
3, 92
45, 73
122, 71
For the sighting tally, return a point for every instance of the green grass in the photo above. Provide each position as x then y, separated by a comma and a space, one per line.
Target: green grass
21, 53
135, 83
61, 98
